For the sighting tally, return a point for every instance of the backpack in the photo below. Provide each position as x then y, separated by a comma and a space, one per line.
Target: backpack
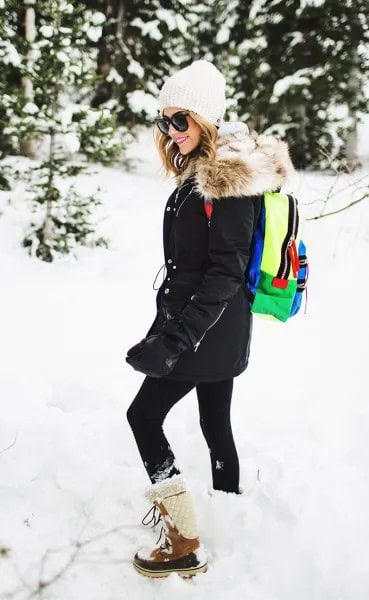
277, 272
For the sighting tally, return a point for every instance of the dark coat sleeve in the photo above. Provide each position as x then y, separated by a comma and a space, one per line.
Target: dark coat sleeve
230, 234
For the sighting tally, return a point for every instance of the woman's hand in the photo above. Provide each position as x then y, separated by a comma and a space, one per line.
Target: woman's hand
156, 355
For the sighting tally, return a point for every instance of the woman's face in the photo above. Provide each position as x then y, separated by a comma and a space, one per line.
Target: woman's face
186, 140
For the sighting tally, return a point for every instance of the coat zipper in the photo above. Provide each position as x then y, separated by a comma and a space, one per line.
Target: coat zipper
175, 202
183, 201
210, 326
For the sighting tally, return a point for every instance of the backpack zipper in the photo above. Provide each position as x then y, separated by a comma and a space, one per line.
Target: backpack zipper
294, 257
196, 346
292, 248
289, 239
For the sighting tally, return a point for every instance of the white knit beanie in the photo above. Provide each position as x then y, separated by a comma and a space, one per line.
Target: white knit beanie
199, 87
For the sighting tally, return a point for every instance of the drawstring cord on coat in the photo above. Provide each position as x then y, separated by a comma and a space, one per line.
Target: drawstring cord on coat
163, 266
180, 188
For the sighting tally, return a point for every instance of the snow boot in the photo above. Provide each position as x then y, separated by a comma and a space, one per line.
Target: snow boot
181, 551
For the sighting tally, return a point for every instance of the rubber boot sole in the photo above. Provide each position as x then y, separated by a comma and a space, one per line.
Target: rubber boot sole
184, 572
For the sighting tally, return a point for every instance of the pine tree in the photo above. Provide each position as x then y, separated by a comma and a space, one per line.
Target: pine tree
28, 146
302, 76
60, 63
209, 30
142, 43
10, 73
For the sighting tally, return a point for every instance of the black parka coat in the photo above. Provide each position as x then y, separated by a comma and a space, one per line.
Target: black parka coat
203, 300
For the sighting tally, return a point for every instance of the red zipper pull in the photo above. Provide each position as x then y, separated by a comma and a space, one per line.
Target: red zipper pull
292, 251
208, 206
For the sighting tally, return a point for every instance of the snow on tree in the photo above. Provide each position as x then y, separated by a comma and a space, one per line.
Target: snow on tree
142, 43
302, 73
10, 72
59, 62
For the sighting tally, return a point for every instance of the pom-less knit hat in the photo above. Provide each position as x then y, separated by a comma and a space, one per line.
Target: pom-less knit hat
199, 87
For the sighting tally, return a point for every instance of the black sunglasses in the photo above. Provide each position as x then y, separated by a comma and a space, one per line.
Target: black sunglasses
178, 120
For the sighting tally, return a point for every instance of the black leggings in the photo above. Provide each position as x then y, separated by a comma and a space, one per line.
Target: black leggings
146, 416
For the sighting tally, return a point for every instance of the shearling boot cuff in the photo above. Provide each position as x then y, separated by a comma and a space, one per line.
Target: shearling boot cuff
163, 489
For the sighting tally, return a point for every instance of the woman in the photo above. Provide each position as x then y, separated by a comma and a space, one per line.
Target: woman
202, 330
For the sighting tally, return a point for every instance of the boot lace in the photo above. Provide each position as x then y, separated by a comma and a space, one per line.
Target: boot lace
152, 519
166, 543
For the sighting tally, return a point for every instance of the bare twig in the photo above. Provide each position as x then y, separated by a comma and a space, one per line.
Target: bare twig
331, 194
356, 187
334, 212
78, 546
42, 583
11, 445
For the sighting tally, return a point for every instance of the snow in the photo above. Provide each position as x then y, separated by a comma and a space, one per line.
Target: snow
300, 78
114, 76
135, 68
62, 56
72, 483
264, 67
31, 108
315, 3
227, 22
98, 18
296, 37
140, 101
256, 43
71, 142
9, 54
94, 33
223, 34
46, 31
67, 8
150, 28
172, 20
256, 7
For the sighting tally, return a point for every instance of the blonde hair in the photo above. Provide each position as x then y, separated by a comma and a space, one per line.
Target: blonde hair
173, 161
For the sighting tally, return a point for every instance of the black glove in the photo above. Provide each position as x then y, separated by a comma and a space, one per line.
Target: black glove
136, 348
156, 355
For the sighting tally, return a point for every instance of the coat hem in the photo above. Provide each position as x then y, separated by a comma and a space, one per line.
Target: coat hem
205, 378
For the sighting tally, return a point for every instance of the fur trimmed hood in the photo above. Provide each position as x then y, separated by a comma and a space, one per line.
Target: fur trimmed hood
245, 164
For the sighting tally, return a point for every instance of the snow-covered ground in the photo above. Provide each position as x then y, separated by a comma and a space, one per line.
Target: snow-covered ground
71, 480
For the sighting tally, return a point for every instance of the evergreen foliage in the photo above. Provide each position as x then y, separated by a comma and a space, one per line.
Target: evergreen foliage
11, 44
141, 44
75, 90
302, 69
61, 64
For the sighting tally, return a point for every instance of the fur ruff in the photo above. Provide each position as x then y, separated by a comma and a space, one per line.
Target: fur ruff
245, 165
